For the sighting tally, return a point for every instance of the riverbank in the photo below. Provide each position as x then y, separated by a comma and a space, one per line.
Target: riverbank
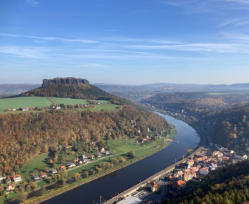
152, 178
141, 153
112, 184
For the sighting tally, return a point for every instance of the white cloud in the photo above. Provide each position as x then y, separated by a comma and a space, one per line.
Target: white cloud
209, 5
201, 47
48, 38
24, 52
237, 37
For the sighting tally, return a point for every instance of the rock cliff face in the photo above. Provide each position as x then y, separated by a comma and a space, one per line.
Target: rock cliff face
64, 81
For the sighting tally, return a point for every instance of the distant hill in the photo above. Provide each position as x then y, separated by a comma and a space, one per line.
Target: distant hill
219, 118
14, 89
68, 87
141, 92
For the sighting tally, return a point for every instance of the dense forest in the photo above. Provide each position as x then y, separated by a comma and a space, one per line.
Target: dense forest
229, 185
220, 119
25, 135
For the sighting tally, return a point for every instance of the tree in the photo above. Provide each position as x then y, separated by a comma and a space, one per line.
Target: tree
1, 190
76, 176
131, 154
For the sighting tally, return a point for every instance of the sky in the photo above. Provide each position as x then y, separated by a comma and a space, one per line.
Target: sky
125, 41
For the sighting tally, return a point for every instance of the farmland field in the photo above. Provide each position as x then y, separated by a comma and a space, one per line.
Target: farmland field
68, 101
21, 102
41, 102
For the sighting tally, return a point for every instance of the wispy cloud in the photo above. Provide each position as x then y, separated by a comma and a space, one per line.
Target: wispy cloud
197, 47
24, 52
46, 38
127, 48
237, 37
209, 5
33, 3
234, 22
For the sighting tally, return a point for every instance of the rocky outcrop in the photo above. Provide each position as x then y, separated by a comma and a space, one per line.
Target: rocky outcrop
64, 81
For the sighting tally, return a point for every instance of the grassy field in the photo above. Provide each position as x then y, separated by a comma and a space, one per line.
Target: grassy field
21, 102
42, 102
68, 101
104, 107
38, 163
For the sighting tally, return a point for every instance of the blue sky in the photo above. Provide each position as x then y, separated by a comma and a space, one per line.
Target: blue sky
125, 41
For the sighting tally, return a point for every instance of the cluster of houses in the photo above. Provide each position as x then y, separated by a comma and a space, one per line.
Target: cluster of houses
201, 164
10, 181
83, 159
20, 109
193, 168
56, 107
30, 109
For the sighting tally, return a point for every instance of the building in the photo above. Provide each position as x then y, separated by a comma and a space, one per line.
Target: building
98, 154
63, 167
204, 171
2, 178
10, 187
25, 109
44, 175
17, 178
190, 163
245, 157
36, 178
70, 165
53, 171
153, 186
83, 157
188, 176
107, 153
217, 154
180, 184
130, 200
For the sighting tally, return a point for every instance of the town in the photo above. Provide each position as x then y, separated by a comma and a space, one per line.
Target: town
11, 183
193, 168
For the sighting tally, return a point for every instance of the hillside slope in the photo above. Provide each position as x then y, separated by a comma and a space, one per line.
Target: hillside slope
220, 119
68, 87
24, 135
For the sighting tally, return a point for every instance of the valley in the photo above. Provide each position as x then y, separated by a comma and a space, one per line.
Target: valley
43, 154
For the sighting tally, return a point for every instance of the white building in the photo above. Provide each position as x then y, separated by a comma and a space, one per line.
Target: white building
17, 178
130, 200
204, 171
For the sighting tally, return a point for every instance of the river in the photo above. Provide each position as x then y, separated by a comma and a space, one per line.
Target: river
110, 185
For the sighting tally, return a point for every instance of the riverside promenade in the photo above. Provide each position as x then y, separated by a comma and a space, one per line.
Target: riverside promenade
150, 179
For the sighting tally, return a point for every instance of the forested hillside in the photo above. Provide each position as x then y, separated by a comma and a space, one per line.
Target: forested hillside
231, 127
219, 118
25, 135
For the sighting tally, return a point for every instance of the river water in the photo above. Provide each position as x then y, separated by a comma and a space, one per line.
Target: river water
119, 181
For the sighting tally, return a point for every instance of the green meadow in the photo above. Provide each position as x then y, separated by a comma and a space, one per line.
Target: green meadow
21, 102
42, 102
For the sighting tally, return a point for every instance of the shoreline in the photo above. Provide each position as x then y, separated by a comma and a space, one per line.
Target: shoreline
151, 178
59, 191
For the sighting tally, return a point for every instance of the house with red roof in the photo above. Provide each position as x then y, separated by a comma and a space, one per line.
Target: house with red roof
17, 178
